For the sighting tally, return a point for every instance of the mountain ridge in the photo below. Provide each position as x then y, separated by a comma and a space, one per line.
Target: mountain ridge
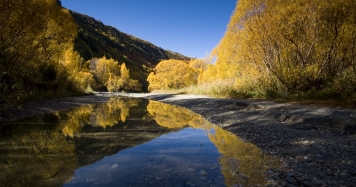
95, 40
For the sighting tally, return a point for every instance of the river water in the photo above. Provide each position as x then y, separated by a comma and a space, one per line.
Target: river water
127, 142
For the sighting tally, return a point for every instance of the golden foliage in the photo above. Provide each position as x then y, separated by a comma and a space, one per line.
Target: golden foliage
80, 77
286, 46
125, 73
103, 69
199, 64
34, 33
114, 77
172, 74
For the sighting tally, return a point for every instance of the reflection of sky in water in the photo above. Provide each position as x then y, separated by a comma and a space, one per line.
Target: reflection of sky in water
186, 157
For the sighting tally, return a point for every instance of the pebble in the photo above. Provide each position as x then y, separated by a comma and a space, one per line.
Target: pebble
313, 182
291, 180
271, 182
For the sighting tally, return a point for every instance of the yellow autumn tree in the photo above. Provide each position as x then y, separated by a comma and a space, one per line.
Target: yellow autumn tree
125, 83
172, 74
199, 64
80, 77
125, 73
112, 76
103, 69
304, 43
288, 47
34, 33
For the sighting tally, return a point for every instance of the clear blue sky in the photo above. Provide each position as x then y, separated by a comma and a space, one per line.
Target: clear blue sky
190, 27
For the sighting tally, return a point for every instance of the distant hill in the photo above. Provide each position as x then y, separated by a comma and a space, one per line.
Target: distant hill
96, 40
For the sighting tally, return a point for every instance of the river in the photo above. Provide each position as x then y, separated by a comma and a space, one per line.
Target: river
127, 142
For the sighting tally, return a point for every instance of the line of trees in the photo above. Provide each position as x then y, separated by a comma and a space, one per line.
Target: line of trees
276, 48
38, 60
272, 48
100, 74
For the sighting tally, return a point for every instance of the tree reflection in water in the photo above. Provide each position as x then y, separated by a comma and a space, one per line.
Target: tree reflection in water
103, 115
47, 150
241, 162
33, 152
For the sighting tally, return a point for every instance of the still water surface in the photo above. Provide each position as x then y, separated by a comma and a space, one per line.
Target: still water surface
127, 142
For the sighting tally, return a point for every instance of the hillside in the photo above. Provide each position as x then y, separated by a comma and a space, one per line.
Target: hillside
96, 40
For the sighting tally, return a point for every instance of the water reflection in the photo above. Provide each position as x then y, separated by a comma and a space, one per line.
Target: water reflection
35, 153
126, 142
183, 158
171, 116
241, 163
46, 150
111, 113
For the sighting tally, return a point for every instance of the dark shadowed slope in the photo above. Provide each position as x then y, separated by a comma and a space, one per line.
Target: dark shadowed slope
96, 40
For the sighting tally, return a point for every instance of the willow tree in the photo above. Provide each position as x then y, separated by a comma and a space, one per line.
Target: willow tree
299, 45
172, 74
305, 43
113, 77
33, 35
78, 74
103, 69
199, 64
